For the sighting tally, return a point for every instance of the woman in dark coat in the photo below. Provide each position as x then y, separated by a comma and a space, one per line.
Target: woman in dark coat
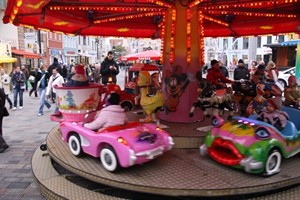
3, 145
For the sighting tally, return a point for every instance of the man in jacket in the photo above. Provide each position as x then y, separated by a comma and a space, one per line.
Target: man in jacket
241, 72
109, 69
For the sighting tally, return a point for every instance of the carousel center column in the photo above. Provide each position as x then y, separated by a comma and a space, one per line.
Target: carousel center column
182, 54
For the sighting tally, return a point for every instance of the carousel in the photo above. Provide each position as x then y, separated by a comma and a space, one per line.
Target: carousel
166, 152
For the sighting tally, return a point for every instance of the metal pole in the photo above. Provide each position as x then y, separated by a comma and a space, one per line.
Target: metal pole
40, 48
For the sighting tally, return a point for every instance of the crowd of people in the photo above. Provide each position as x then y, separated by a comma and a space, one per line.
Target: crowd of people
265, 99
40, 81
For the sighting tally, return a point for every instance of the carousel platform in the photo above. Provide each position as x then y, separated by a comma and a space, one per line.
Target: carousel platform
181, 173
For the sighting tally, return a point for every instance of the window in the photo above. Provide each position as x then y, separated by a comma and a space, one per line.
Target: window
84, 40
225, 43
269, 39
281, 38
258, 41
245, 42
258, 57
235, 43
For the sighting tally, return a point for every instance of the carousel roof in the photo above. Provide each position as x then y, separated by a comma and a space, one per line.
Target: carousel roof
144, 18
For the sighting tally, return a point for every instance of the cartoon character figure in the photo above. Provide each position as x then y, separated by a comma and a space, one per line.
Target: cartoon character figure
176, 82
150, 104
70, 99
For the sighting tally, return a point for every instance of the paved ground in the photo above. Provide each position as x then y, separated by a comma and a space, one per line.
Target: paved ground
24, 131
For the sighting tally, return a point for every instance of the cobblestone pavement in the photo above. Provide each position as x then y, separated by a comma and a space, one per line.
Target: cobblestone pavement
24, 131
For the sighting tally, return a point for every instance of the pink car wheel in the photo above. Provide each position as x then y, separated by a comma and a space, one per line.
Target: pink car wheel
75, 145
109, 159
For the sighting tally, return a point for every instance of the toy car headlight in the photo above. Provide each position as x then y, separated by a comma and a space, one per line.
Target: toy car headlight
262, 133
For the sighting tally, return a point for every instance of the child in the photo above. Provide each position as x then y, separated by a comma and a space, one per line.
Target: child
273, 115
292, 93
111, 115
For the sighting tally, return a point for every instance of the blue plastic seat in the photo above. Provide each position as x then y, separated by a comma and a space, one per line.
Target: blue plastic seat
293, 115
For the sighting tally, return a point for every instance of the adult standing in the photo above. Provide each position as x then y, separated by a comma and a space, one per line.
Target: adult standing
224, 69
41, 81
55, 80
96, 73
271, 66
241, 71
56, 65
3, 145
5, 86
33, 73
64, 72
18, 79
109, 69
26, 73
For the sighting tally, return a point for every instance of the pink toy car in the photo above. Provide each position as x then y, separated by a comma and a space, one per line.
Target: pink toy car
117, 146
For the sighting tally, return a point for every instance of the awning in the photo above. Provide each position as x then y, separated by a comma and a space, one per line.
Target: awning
290, 43
87, 55
25, 54
286, 43
7, 59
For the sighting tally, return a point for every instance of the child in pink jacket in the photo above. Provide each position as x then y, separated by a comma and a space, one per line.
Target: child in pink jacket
273, 115
111, 115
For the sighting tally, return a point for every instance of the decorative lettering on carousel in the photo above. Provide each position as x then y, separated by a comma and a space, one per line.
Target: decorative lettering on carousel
35, 6
123, 29
266, 27
61, 23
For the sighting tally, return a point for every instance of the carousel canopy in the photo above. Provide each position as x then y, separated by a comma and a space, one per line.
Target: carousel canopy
144, 18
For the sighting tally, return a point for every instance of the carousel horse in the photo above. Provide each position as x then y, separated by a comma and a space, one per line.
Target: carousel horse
218, 100
223, 98
151, 104
206, 91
